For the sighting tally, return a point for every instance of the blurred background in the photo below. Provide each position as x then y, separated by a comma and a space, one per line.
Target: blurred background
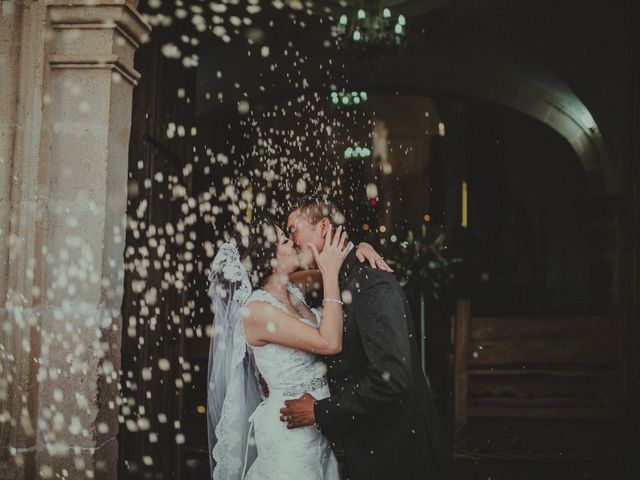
487, 146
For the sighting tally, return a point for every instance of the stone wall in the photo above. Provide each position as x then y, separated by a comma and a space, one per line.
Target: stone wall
65, 108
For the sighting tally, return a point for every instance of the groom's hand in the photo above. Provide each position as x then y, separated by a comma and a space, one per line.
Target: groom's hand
299, 413
263, 386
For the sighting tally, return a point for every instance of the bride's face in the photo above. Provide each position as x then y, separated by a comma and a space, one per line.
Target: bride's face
286, 254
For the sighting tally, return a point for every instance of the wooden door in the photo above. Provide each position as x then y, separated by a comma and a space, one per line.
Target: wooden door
154, 373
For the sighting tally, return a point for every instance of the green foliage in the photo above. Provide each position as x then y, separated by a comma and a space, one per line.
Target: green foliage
420, 264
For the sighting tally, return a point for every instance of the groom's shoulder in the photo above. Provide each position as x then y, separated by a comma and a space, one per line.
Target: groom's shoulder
366, 277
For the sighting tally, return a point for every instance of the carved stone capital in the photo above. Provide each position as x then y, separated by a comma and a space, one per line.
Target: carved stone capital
96, 34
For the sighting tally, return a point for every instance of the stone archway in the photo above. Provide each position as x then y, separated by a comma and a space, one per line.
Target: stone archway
488, 71
66, 110
492, 71
496, 75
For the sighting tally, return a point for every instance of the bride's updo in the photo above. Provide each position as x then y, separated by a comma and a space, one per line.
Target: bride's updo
257, 244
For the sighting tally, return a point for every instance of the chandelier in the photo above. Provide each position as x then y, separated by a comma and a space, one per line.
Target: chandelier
372, 28
348, 98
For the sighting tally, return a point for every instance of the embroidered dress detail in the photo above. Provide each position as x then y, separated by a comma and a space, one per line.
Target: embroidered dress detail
297, 390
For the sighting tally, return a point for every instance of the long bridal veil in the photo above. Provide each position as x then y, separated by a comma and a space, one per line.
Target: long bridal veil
233, 389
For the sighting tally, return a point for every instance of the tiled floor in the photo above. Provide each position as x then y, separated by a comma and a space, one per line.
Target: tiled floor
519, 449
498, 449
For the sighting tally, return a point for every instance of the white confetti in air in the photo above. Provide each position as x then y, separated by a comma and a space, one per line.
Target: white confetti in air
372, 191
347, 298
170, 50
243, 107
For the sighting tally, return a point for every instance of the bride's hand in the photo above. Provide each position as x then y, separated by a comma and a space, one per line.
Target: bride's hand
368, 253
333, 253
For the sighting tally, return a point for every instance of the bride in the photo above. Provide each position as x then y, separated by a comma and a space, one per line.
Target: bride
271, 332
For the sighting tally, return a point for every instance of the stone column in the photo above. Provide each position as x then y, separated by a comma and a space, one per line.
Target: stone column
67, 156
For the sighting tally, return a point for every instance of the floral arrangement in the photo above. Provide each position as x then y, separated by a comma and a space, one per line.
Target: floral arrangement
420, 263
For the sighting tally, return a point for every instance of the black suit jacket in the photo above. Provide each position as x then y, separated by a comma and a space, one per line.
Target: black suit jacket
381, 403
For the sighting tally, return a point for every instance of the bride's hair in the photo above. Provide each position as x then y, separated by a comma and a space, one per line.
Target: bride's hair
257, 242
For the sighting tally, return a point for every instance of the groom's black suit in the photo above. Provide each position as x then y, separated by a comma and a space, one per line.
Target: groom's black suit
380, 403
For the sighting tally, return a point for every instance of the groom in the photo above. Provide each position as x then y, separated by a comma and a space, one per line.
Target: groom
381, 403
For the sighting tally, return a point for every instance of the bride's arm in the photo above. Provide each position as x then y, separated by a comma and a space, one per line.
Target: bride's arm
366, 252
265, 323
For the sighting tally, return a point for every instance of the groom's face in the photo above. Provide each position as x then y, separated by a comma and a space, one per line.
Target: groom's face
302, 233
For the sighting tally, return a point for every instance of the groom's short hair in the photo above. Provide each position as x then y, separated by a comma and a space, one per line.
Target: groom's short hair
317, 206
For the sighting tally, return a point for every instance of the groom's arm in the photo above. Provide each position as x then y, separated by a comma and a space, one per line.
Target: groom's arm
379, 314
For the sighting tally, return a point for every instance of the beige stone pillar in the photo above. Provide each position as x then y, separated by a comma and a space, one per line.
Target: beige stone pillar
62, 217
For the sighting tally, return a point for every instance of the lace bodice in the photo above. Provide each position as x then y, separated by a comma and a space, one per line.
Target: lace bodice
284, 367
285, 454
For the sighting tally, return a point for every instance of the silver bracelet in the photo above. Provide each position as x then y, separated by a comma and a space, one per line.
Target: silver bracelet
334, 300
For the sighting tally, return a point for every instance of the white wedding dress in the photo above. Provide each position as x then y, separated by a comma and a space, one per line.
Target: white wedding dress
282, 454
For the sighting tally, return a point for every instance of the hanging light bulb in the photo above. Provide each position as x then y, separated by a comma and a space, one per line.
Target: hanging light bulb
372, 28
